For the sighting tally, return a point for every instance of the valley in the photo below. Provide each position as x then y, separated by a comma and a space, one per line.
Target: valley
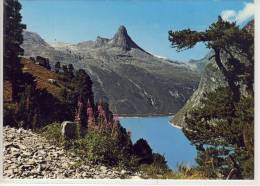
134, 82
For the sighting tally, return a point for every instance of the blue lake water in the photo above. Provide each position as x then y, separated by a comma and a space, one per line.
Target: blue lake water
162, 137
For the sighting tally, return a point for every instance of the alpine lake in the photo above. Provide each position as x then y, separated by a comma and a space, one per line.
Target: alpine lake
163, 138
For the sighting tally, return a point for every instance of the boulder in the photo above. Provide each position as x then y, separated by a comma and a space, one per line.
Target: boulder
68, 129
52, 81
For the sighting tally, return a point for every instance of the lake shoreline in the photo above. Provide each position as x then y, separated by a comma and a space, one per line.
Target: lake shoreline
143, 115
175, 126
170, 115
172, 124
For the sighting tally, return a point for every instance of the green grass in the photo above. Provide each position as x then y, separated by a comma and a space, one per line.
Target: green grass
52, 133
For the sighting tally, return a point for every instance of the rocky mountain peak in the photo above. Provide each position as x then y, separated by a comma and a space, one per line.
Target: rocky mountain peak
122, 40
122, 31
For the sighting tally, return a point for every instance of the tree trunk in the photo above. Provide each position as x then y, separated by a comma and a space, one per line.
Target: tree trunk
234, 88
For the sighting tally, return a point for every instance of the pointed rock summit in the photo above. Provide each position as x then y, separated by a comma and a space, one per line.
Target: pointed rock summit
122, 40
122, 30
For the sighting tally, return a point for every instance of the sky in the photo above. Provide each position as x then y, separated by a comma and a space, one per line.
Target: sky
147, 21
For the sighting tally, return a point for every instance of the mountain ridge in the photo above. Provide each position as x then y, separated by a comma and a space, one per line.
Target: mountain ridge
131, 79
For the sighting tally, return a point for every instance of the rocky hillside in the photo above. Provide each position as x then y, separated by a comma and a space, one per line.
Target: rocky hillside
132, 80
211, 79
29, 155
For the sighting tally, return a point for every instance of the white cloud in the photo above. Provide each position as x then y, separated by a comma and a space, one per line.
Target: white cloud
228, 15
239, 16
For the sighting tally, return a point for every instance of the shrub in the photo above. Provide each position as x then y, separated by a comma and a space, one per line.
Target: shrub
157, 169
101, 148
153, 171
159, 161
143, 151
52, 133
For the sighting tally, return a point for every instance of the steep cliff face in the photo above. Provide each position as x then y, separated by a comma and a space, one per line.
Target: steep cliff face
211, 79
133, 81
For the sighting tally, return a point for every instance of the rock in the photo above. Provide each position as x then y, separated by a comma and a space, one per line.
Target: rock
6, 166
136, 177
31, 162
22, 147
44, 166
9, 172
12, 167
123, 171
103, 169
15, 154
65, 165
41, 152
15, 171
68, 129
39, 168
52, 81
12, 146
26, 153
84, 174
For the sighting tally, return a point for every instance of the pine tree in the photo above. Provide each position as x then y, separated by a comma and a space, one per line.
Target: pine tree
83, 87
224, 38
65, 71
71, 71
13, 38
57, 67
48, 66
225, 142
223, 129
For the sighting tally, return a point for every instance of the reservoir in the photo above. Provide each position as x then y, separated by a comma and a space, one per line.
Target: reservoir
162, 137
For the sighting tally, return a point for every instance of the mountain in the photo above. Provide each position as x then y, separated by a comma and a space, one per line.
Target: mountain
211, 79
200, 65
134, 81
